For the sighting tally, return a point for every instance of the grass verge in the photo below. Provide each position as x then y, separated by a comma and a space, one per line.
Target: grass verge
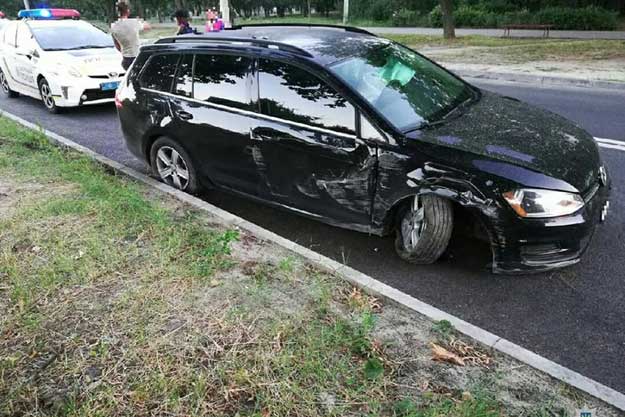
116, 300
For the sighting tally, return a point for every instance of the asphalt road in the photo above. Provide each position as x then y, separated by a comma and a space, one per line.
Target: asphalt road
575, 317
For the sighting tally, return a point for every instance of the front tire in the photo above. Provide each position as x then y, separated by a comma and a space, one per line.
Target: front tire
173, 165
424, 229
46, 96
4, 86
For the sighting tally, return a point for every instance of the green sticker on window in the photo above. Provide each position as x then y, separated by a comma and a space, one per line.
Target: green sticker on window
395, 70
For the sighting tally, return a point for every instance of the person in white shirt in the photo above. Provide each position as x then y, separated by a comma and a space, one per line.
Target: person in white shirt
126, 34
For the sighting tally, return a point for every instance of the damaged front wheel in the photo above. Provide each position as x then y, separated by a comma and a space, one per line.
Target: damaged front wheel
424, 229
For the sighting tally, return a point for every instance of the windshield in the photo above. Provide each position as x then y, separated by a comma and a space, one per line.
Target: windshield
65, 37
406, 88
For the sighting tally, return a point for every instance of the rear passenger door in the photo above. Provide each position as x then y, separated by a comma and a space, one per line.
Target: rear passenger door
210, 107
307, 152
8, 53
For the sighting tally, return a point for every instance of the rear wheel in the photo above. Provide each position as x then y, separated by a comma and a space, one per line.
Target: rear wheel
173, 165
47, 97
424, 229
4, 86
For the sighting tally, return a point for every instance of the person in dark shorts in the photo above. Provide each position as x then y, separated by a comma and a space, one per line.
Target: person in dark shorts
125, 32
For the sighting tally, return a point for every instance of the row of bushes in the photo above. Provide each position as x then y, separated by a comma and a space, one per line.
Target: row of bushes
588, 18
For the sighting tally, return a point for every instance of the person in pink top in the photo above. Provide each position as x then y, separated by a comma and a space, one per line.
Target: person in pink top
213, 21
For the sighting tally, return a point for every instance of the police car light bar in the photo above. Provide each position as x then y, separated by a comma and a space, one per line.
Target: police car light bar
49, 14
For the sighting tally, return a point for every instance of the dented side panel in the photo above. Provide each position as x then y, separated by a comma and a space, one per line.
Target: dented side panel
329, 176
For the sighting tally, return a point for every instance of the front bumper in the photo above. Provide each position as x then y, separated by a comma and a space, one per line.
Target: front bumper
81, 91
540, 245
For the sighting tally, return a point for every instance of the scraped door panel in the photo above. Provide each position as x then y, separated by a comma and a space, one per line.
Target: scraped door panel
307, 153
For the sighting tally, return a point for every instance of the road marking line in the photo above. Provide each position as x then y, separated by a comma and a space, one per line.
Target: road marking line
611, 144
357, 278
613, 141
615, 147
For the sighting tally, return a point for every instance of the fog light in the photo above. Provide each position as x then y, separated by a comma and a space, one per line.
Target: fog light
83, 97
64, 91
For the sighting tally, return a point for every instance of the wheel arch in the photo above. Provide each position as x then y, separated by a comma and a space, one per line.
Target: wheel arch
462, 206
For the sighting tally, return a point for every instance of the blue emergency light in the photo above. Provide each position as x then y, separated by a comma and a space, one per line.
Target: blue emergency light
48, 14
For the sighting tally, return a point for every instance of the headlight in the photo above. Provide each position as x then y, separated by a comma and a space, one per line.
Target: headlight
543, 203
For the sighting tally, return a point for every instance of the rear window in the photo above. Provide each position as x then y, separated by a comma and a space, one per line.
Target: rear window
158, 73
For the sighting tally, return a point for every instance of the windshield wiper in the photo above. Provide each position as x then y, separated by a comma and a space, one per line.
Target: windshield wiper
78, 47
93, 47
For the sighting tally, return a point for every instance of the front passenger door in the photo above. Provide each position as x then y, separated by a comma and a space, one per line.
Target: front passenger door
311, 158
25, 57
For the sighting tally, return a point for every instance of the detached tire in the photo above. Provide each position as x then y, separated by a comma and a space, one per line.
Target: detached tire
173, 165
4, 85
424, 229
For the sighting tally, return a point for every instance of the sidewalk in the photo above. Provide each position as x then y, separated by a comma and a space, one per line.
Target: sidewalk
514, 63
555, 34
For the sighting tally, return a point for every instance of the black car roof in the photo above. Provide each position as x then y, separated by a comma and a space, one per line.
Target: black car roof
323, 43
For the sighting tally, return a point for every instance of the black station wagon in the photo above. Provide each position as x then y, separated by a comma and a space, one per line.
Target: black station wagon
360, 132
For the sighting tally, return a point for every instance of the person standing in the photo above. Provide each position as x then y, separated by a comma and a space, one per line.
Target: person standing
214, 23
125, 34
182, 20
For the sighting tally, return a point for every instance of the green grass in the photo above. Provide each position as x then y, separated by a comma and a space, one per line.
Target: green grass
117, 303
318, 20
520, 50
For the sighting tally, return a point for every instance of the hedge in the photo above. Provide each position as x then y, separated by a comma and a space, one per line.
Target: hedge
587, 18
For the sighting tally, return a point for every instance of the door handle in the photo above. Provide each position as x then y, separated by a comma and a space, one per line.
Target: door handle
254, 135
184, 115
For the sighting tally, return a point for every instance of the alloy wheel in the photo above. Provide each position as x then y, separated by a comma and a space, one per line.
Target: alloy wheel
46, 95
172, 168
413, 224
4, 83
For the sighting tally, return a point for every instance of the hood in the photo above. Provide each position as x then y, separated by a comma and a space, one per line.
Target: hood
507, 130
91, 62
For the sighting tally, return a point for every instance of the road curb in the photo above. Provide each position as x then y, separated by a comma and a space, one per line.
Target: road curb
542, 80
367, 283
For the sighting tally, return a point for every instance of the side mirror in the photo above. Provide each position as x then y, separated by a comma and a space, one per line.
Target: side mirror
28, 53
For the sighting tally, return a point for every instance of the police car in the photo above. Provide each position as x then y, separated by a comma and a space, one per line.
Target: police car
51, 55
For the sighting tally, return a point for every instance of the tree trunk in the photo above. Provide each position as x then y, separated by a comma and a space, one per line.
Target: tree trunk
447, 9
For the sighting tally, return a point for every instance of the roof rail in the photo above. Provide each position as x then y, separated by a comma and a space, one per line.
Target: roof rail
266, 43
309, 25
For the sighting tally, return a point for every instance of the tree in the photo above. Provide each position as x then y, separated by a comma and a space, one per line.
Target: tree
447, 9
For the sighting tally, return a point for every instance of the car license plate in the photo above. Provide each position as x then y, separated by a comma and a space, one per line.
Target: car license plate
109, 86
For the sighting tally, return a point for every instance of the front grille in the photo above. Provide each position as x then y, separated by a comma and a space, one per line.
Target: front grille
106, 76
547, 253
96, 94
591, 192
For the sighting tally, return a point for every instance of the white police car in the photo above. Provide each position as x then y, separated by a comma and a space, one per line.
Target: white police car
52, 56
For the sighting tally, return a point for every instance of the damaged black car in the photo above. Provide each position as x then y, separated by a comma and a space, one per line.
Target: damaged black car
360, 132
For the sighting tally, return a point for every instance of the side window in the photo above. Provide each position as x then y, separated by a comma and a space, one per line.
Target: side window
158, 73
9, 34
25, 38
367, 131
294, 94
184, 77
222, 79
